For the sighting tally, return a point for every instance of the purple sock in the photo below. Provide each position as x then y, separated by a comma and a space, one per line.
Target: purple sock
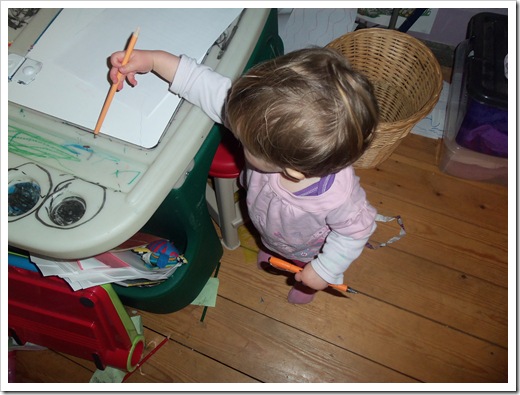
301, 294
262, 259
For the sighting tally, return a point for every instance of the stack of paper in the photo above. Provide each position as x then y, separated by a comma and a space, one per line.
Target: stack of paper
308, 27
124, 268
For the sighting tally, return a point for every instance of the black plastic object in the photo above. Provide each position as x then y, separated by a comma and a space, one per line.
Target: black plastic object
487, 35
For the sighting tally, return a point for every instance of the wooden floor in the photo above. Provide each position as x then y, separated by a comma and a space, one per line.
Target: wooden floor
431, 308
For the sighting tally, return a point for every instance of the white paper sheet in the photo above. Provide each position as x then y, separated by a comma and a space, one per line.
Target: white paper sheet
304, 27
73, 82
432, 125
117, 267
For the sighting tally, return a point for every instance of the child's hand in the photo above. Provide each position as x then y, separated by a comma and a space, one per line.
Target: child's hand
310, 278
139, 62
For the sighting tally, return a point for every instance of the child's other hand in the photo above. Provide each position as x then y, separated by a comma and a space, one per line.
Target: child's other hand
139, 62
310, 278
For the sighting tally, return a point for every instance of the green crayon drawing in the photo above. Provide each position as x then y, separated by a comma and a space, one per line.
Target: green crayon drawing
28, 145
33, 146
120, 172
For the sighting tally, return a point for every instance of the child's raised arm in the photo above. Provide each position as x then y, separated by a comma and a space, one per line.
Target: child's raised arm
162, 63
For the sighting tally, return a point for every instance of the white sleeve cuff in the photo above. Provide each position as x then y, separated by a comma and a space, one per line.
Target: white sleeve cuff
337, 254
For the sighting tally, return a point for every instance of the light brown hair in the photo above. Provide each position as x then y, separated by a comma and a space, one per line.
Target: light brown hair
307, 110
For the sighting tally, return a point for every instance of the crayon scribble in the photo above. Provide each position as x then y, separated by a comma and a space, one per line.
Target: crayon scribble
119, 172
31, 145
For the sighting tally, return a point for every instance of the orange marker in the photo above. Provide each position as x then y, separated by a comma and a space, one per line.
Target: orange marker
289, 267
113, 88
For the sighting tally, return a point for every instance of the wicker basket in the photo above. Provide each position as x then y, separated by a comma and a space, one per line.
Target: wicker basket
407, 80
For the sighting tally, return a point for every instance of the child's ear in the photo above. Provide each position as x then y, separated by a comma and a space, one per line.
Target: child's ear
295, 174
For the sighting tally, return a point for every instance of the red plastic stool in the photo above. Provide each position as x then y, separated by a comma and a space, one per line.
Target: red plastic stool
225, 169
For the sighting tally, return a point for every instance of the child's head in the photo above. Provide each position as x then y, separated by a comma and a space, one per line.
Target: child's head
307, 110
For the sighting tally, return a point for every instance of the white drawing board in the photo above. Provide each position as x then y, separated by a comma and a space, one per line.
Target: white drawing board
73, 82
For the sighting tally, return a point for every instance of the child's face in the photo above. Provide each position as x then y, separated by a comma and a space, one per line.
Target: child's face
261, 164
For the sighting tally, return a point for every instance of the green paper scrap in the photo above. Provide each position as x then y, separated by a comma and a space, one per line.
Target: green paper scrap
109, 375
208, 295
114, 375
138, 323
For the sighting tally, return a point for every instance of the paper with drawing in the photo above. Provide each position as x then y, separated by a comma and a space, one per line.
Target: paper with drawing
74, 50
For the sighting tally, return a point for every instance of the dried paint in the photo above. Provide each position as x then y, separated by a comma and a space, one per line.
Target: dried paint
23, 196
68, 211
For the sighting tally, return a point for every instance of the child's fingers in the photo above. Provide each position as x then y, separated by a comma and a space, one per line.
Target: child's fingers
131, 79
113, 75
116, 59
118, 72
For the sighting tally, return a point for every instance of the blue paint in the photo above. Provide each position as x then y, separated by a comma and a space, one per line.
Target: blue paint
23, 196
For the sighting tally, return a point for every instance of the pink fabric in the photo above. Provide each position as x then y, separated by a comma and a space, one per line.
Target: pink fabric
297, 227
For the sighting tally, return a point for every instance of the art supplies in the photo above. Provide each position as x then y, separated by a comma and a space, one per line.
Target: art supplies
126, 268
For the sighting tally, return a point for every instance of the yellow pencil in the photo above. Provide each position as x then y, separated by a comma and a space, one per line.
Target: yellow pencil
113, 88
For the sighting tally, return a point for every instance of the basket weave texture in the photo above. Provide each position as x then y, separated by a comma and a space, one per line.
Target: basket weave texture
407, 82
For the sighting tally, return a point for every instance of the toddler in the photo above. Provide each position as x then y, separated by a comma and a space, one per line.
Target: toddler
303, 119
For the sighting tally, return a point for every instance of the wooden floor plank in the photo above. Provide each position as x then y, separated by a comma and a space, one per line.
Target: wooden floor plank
175, 363
446, 296
446, 241
368, 327
268, 349
47, 366
438, 193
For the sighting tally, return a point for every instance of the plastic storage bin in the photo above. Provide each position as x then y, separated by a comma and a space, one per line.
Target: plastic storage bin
475, 134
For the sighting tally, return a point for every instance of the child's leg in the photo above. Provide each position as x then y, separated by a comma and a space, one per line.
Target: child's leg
300, 293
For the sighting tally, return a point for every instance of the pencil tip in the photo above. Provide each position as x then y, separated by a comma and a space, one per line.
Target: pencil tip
137, 31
